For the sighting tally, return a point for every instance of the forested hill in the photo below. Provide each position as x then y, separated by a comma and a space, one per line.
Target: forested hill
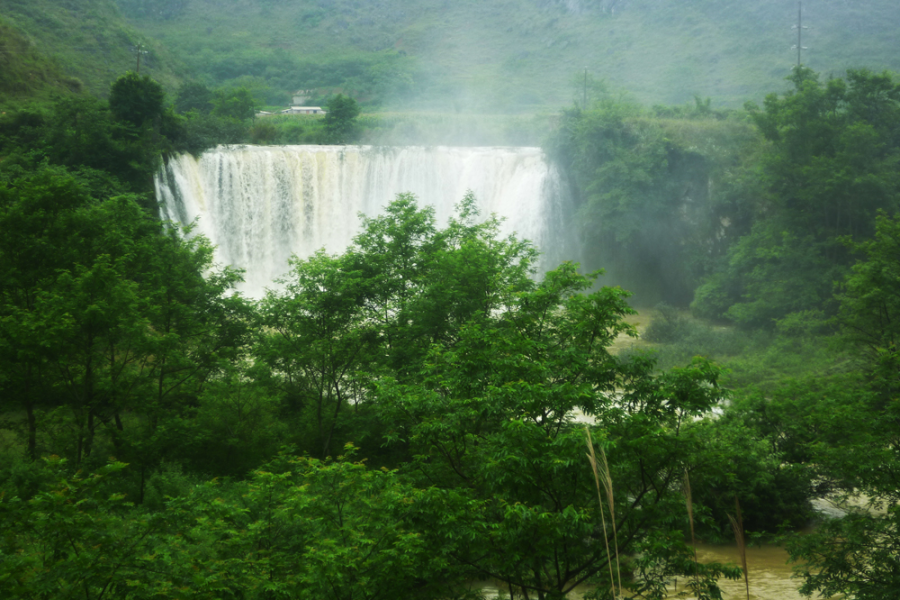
73, 44
518, 54
25, 70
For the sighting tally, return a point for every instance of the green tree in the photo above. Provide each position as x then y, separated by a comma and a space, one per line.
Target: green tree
300, 528
340, 119
36, 215
471, 371
321, 342
402, 286
846, 428
490, 421
831, 167
237, 104
653, 193
73, 539
192, 95
136, 99
870, 296
80, 132
105, 312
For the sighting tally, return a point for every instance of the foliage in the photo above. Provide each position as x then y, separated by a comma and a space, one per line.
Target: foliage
849, 435
668, 326
263, 133
192, 95
202, 131
471, 371
340, 119
381, 305
434, 346
831, 168
463, 379
71, 540
237, 104
73, 47
25, 71
106, 313
737, 462
869, 295
135, 99
79, 131
298, 527
854, 556
855, 446
837, 424
653, 195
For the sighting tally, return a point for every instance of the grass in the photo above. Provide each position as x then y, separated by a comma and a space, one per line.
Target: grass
751, 359
690, 510
415, 128
25, 71
601, 473
87, 42
427, 128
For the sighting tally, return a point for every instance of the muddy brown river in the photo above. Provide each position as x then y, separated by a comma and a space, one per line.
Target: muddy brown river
770, 575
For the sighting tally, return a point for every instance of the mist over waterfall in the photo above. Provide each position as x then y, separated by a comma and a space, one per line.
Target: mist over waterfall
261, 204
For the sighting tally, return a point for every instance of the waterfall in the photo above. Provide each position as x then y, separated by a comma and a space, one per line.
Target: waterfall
261, 204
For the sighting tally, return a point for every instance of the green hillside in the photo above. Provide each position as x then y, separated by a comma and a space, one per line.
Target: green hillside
24, 70
517, 54
55, 42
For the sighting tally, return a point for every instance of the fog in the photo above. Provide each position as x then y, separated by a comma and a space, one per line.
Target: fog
519, 56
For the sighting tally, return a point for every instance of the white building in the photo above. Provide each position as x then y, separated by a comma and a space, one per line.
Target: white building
303, 110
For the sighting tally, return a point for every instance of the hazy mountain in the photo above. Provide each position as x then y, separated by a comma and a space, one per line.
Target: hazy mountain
507, 54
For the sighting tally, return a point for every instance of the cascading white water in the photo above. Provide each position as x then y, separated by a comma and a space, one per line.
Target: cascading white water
261, 204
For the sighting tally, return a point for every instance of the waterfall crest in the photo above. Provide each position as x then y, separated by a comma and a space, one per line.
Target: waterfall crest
261, 204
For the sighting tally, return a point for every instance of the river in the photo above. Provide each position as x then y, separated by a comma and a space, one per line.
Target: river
770, 575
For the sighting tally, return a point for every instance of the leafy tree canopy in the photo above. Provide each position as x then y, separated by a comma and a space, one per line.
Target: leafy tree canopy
136, 99
831, 168
194, 96
237, 104
340, 119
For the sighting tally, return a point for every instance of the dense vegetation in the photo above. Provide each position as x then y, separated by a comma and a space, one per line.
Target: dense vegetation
397, 421
432, 349
786, 229
749, 213
512, 55
87, 42
661, 194
25, 71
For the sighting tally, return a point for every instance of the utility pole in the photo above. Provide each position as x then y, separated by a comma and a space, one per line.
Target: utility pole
139, 49
799, 27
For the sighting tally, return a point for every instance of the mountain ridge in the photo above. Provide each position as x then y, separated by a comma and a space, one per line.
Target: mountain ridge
520, 54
